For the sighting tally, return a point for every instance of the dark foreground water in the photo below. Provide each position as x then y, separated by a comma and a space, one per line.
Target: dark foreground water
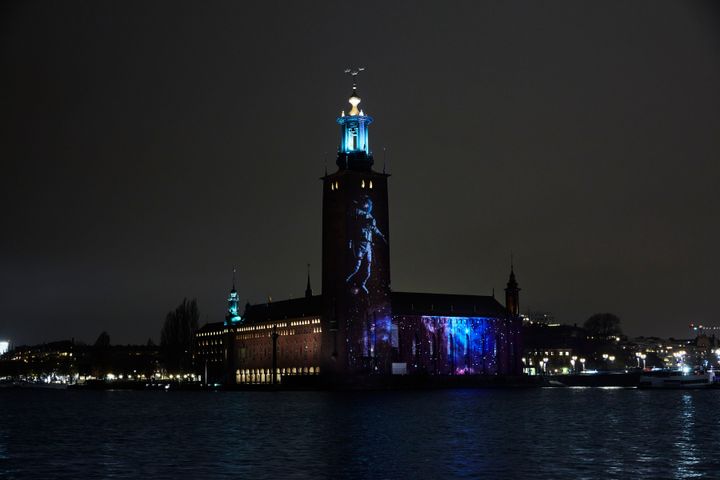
543, 433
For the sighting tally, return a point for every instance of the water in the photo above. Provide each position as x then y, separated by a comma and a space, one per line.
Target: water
541, 433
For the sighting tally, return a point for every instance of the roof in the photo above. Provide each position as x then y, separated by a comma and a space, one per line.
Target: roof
211, 327
293, 308
446, 305
403, 303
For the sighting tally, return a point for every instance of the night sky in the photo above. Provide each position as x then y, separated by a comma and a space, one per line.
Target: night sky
149, 147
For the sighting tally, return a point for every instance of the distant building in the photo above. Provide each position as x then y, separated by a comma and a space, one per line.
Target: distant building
72, 361
359, 326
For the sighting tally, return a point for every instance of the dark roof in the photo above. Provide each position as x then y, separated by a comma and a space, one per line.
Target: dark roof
293, 308
212, 327
440, 304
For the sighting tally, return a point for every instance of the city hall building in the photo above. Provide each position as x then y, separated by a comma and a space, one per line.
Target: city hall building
358, 326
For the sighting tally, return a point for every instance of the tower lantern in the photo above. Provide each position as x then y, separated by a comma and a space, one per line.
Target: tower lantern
233, 315
354, 150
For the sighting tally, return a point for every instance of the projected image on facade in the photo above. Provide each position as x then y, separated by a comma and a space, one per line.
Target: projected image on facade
467, 342
448, 345
362, 240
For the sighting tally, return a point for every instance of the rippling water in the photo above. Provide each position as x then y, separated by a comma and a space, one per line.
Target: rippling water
541, 433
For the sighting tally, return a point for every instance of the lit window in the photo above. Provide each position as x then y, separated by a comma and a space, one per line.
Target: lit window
370, 183
362, 184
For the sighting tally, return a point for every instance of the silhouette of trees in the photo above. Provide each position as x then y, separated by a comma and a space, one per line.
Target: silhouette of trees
603, 325
103, 341
176, 336
100, 356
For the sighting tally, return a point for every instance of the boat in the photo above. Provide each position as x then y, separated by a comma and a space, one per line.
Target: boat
677, 379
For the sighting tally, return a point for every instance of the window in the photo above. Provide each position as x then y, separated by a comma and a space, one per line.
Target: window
353, 138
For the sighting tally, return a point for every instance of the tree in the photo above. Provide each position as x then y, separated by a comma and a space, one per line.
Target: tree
176, 336
603, 325
100, 356
103, 341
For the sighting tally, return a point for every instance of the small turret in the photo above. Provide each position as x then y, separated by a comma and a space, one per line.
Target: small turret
512, 293
233, 315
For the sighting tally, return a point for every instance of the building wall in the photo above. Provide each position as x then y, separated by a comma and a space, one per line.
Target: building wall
455, 345
210, 354
298, 349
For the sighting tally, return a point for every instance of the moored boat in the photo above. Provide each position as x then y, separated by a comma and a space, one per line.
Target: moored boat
677, 379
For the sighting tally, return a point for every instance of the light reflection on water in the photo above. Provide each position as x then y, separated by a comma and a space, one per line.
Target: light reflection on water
542, 433
685, 443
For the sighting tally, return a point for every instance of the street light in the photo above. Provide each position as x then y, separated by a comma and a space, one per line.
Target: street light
582, 362
643, 356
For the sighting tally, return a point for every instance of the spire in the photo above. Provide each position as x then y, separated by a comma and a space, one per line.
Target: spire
233, 284
512, 283
308, 288
512, 292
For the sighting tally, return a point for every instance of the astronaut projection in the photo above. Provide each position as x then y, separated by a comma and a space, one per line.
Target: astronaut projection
362, 240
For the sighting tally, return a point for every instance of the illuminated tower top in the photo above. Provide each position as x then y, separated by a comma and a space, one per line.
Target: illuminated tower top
232, 315
354, 150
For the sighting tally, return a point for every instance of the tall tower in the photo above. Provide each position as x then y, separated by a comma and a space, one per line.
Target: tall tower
512, 294
355, 254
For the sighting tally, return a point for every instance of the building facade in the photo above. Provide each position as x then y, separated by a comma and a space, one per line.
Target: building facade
359, 326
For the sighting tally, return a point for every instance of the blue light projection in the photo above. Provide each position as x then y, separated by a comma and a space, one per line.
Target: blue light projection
354, 133
362, 243
467, 345
233, 300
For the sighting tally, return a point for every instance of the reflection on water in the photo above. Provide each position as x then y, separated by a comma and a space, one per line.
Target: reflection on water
685, 441
542, 433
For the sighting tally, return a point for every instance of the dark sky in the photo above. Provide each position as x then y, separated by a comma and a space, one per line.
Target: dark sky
147, 147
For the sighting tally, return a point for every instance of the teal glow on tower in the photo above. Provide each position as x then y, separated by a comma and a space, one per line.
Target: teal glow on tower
354, 150
233, 316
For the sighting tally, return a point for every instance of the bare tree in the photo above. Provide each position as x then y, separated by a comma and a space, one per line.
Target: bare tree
603, 325
176, 337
